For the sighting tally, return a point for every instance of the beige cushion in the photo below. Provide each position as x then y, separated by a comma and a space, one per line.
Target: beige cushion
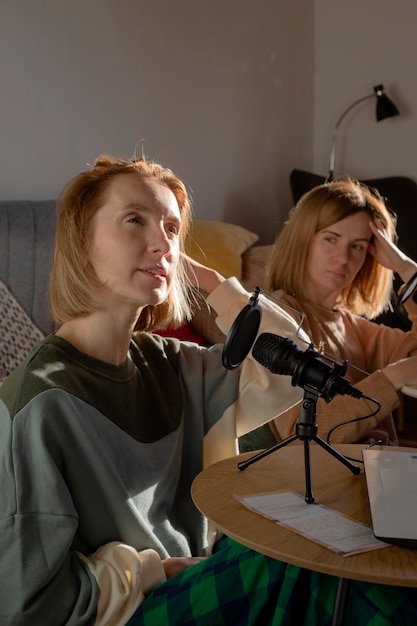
219, 245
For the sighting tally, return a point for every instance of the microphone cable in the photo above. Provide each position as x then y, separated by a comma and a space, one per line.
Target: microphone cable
352, 421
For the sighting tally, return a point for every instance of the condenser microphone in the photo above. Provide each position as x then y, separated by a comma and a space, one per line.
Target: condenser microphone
309, 369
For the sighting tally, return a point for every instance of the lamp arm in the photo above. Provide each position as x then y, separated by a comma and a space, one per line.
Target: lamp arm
335, 131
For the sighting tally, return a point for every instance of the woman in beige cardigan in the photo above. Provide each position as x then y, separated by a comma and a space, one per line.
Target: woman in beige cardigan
334, 262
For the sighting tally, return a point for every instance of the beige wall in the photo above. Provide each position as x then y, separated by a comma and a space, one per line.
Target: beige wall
359, 44
232, 95
216, 90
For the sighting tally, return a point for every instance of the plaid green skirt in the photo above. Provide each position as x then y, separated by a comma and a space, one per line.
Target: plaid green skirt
239, 587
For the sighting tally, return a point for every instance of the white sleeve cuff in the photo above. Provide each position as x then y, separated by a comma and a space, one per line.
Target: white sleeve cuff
124, 577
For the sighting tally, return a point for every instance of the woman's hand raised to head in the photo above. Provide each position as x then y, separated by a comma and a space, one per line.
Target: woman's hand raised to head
389, 255
200, 276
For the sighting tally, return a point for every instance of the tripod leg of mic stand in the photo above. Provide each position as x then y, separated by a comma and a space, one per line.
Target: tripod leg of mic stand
353, 468
244, 464
309, 498
339, 608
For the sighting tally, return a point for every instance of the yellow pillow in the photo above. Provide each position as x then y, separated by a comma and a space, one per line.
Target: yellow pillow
219, 245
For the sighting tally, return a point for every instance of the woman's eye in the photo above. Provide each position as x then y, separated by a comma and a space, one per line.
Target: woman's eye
135, 220
172, 229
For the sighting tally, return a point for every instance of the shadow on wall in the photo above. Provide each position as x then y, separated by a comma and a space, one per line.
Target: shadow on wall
256, 216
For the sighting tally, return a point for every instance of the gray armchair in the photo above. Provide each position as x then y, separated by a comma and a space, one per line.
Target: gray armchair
26, 240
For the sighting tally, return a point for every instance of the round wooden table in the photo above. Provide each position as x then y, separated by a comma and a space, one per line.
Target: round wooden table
333, 484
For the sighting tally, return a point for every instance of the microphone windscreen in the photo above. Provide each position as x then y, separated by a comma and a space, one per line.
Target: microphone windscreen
241, 336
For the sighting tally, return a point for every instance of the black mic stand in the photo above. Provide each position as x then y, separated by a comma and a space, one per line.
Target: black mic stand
306, 430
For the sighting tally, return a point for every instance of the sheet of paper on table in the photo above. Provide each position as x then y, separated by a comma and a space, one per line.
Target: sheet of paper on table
314, 521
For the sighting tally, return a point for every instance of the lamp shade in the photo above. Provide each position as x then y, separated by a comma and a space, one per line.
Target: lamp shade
384, 108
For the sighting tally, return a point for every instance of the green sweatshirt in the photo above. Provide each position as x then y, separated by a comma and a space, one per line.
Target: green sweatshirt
97, 460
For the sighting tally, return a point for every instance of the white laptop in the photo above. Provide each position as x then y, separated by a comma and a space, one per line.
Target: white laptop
391, 478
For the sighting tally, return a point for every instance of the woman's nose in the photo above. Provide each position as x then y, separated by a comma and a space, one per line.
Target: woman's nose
159, 241
342, 253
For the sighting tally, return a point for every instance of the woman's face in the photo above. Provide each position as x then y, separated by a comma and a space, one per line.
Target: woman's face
134, 247
336, 255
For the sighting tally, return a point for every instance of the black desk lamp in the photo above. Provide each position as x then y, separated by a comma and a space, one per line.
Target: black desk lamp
384, 108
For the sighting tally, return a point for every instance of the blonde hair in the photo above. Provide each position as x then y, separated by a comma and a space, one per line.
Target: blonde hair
369, 293
73, 281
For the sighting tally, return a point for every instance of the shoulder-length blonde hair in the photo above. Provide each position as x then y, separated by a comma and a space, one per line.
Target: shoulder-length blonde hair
73, 282
369, 293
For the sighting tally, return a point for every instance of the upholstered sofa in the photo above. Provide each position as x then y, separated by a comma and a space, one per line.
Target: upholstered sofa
26, 236
26, 241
